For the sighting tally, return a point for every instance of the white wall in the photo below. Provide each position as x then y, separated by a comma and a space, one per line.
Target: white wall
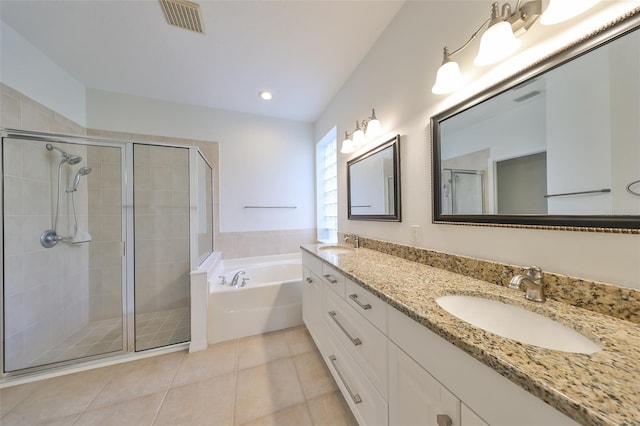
263, 161
27, 70
396, 78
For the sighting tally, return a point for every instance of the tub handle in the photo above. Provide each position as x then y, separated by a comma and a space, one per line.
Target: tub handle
355, 397
331, 279
356, 341
309, 280
354, 297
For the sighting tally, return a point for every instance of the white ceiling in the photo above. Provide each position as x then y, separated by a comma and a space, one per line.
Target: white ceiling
301, 50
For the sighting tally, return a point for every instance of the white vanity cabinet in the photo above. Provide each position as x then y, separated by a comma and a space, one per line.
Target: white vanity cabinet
393, 371
469, 418
361, 339
486, 396
312, 306
415, 397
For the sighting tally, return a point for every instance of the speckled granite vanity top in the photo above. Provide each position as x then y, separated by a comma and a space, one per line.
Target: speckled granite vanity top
602, 388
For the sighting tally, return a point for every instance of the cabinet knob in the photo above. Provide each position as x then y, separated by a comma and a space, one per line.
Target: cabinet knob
443, 420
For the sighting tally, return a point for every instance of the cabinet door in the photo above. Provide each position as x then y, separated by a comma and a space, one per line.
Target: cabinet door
415, 397
312, 304
469, 418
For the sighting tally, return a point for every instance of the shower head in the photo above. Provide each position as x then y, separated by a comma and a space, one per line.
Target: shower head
74, 159
68, 158
82, 171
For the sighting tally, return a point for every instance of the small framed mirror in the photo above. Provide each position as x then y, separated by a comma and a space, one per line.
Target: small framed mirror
373, 183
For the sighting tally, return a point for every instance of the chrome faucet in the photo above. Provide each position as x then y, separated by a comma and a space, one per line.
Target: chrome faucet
354, 238
234, 280
533, 284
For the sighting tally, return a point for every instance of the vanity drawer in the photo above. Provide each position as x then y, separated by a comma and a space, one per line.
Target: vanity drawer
364, 342
367, 305
334, 279
367, 405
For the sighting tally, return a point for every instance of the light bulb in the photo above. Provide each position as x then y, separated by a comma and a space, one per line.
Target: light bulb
562, 10
497, 42
347, 147
448, 78
265, 95
358, 138
373, 128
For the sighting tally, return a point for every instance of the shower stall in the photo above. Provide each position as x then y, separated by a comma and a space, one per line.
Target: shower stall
98, 240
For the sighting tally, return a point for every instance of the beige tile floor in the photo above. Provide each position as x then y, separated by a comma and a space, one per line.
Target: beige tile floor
153, 330
277, 378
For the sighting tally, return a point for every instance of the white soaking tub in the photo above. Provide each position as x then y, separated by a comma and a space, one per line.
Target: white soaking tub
270, 300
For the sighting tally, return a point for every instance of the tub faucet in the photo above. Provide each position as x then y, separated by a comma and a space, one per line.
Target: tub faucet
354, 238
234, 281
533, 284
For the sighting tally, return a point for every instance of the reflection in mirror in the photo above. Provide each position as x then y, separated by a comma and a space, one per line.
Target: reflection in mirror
558, 145
205, 208
373, 183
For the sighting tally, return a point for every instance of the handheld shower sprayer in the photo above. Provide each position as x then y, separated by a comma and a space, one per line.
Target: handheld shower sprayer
82, 171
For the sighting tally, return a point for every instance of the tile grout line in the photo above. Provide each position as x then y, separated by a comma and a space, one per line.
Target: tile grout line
236, 365
166, 392
295, 367
84, 410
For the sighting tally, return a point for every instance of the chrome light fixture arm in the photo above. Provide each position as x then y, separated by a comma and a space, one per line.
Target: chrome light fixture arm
505, 25
447, 55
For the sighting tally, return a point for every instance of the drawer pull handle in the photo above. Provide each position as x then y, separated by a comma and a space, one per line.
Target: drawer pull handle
309, 280
443, 420
331, 279
355, 397
354, 297
356, 341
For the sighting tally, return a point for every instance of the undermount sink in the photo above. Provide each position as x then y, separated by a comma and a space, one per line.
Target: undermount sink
337, 249
516, 323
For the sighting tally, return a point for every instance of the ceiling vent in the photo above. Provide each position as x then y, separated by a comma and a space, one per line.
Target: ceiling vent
183, 14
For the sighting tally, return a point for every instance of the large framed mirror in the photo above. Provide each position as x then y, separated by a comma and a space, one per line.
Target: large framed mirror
555, 146
373, 183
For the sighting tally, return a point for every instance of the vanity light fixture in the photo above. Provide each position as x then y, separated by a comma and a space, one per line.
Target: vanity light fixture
500, 38
365, 129
562, 10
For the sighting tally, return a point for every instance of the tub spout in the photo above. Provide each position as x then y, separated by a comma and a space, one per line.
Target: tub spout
234, 281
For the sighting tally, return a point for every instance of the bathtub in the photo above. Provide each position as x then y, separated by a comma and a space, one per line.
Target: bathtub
271, 299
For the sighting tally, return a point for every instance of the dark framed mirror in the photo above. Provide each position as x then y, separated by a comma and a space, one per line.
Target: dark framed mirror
556, 146
373, 184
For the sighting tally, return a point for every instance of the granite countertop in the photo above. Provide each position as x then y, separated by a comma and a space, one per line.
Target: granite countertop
601, 388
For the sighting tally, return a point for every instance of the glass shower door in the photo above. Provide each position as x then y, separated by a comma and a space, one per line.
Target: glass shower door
161, 228
62, 276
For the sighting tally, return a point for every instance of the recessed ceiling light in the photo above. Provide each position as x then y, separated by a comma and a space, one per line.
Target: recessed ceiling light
265, 95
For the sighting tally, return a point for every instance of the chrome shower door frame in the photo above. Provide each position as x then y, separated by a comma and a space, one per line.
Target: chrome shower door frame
126, 197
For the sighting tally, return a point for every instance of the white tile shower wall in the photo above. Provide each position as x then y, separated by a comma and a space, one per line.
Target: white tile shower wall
105, 225
46, 289
161, 197
34, 277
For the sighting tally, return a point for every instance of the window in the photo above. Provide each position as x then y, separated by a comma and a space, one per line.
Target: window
327, 187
